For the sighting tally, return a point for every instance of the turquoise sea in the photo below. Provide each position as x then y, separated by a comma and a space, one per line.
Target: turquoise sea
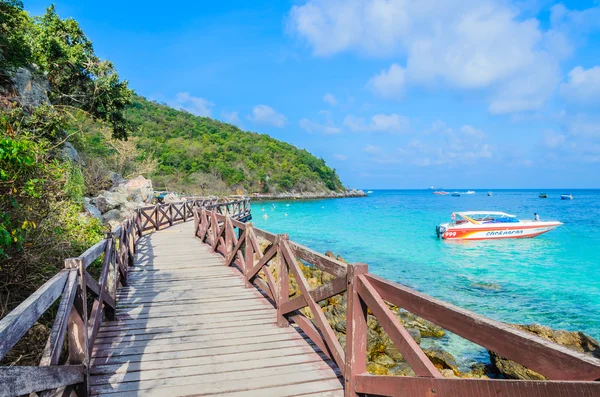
553, 279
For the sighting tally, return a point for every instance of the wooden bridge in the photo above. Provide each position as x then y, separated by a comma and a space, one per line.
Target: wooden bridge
203, 308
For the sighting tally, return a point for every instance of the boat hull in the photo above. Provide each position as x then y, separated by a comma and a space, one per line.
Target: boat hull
495, 232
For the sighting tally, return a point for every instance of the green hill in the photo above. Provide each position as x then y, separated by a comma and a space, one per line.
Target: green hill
201, 155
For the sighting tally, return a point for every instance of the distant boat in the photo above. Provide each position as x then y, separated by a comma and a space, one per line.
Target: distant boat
567, 196
543, 195
489, 193
456, 194
469, 192
440, 193
369, 192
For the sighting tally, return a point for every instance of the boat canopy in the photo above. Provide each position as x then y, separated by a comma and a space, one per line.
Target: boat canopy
479, 217
496, 213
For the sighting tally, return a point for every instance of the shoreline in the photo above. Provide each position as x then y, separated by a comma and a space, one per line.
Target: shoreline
308, 195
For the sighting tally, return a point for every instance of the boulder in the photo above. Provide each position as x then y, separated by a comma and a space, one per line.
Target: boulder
376, 369
70, 153
442, 360
31, 89
577, 341
116, 179
425, 328
110, 200
138, 189
91, 209
112, 217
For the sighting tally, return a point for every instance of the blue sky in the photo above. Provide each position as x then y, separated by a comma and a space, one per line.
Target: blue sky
391, 93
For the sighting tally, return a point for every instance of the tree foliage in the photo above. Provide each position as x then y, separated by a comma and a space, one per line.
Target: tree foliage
193, 150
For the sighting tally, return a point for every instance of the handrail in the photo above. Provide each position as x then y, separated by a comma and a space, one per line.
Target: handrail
572, 373
73, 284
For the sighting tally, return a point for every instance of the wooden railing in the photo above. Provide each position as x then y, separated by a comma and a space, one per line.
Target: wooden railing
78, 320
572, 374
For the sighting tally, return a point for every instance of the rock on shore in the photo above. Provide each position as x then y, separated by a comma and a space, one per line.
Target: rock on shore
577, 341
309, 195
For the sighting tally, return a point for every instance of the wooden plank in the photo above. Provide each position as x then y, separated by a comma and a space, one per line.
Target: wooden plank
410, 350
16, 323
17, 381
402, 386
323, 262
332, 288
198, 336
168, 372
54, 345
92, 253
153, 330
201, 352
193, 345
540, 355
242, 380
264, 355
202, 322
242, 310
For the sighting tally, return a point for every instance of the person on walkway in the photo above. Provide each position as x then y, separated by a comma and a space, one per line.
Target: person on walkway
536, 217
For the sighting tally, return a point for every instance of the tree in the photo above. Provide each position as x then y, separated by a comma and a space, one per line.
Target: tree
14, 49
78, 78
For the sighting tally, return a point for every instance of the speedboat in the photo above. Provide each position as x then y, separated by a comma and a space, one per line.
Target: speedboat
440, 193
543, 195
456, 194
566, 196
469, 192
489, 193
483, 225
369, 192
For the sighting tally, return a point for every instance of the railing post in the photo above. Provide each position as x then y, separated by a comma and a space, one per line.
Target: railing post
77, 328
283, 281
356, 331
170, 212
113, 274
248, 254
196, 221
156, 210
228, 237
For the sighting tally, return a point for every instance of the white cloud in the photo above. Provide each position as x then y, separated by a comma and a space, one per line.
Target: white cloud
553, 141
330, 99
340, 157
266, 115
392, 123
372, 149
488, 46
311, 126
231, 117
583, 85
447, 146
389, 83
195, 105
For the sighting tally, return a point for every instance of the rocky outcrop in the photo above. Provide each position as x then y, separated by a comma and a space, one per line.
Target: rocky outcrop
29, 89
577, 341
309, 195
113, 205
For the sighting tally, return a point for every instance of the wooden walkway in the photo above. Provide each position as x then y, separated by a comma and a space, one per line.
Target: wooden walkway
188, 325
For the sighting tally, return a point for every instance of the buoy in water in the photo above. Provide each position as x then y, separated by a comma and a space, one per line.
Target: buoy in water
266, 216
